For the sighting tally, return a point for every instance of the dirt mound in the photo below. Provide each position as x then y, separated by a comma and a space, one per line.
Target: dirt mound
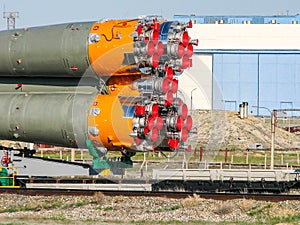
223, 129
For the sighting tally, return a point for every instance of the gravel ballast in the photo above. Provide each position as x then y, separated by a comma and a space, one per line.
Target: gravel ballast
100, 209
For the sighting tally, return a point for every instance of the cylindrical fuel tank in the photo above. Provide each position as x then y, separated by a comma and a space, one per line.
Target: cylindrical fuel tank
45, 51
68, 50
55, 118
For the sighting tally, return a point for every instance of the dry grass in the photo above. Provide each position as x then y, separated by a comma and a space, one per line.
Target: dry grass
246, 205
191, 201
224, 208
99, 198
277, 211
119, 199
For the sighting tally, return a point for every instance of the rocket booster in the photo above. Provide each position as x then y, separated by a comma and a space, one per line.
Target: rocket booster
112, 82
68, 50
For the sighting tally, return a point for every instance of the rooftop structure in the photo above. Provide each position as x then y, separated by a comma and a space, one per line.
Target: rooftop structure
277, 19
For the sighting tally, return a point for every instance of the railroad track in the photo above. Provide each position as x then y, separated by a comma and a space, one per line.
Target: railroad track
178, 195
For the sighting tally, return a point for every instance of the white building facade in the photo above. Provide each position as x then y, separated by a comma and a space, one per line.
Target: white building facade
245, 62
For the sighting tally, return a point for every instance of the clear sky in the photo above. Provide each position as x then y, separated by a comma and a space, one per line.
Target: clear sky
41, 12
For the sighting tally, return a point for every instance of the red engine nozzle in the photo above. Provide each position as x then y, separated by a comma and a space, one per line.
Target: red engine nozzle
158, 116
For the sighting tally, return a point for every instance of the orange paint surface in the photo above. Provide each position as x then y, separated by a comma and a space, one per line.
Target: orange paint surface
113, 127
107, 55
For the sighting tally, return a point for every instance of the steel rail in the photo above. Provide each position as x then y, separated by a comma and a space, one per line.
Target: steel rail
177, 195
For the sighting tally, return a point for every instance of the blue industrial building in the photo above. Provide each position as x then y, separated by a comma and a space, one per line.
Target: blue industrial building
270, 80
278, 19
262, 69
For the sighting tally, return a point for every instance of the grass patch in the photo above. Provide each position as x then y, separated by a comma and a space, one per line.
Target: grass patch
270, 214
38, 205
174, 207
295, 219
10, 209
81, 203
108, 208
154, 211
60, 217
30, 208
260, 210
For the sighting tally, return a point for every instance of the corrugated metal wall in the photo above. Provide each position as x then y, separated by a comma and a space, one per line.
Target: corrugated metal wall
265, 80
